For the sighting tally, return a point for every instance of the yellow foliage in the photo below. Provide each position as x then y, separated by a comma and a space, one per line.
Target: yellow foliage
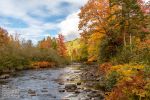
130, 82
126, 70
91, 59
93, 45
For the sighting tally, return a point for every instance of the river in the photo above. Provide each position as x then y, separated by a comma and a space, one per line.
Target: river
44, 84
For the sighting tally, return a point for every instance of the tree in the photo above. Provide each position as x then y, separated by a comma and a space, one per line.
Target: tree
61, 48
54, 43
93, 46
48, 42
93, 24
45, 43
4, 38
118, 21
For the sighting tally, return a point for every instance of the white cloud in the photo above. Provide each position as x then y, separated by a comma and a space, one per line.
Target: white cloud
69, 27
20, 9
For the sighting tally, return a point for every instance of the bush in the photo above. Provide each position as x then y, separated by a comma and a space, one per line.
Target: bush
12, 58
43, 64
20, 57
111, 80
128, 82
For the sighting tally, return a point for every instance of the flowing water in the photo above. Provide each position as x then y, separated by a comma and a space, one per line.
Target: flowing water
42, 84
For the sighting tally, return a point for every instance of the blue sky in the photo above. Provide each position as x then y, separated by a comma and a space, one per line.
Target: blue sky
36, 19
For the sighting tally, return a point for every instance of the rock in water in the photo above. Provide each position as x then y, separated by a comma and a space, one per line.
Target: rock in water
31, 92
5, 76
61, 90
79, 83
70, 87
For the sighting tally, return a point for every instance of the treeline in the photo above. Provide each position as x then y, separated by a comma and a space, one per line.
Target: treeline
16, 54
116, 34
73, 50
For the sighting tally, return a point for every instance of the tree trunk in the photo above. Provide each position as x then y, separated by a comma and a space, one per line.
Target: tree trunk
124, 39
130, 42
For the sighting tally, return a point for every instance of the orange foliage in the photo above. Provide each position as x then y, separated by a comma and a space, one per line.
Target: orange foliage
4, 38
61, 45
93, 16
126, 88
105, 67
45, 43
43, 64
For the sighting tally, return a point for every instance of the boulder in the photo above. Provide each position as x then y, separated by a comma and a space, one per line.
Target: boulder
44, 90
31, 92
70, 87
61, 90
79, 83
5, 76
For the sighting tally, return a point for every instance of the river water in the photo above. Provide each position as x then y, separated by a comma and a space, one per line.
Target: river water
43, 84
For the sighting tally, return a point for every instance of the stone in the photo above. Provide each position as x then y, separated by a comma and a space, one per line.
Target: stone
70, 86
87, 90
61, 90
94, 94
79, 83
31, 92
44, 90
77, 92
61, 83
5, 76
65, 99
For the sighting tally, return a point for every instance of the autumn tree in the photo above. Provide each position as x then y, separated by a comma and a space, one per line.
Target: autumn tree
131, 19
61, 48
93, 46
93, 23
45, 43
93, 17
83, 48
4, 38
54, 43
115, 22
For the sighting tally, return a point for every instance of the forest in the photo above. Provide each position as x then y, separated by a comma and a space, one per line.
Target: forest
114, 35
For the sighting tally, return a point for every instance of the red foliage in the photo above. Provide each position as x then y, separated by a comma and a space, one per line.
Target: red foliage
61, 45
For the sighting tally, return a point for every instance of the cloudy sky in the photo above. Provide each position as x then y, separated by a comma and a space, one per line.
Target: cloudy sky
36, 19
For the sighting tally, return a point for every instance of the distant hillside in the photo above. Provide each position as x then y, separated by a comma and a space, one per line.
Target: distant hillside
73, 48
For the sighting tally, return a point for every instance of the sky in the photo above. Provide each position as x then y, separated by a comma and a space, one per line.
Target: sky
37, 19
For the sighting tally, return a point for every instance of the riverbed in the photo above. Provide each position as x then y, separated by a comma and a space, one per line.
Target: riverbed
48, 84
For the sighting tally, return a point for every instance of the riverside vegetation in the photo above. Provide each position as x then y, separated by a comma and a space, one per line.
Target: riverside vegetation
17, 55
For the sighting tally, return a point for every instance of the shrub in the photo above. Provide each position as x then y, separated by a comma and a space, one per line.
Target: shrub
43, 64
128, 82
111, 80
128, 89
